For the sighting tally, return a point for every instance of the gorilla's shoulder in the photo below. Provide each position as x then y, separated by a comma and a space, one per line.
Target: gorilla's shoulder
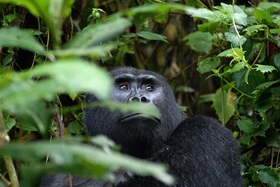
203, 129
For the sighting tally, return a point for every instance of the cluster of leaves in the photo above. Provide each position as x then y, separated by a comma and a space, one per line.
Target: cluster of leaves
29, 97
240, 45
237, 44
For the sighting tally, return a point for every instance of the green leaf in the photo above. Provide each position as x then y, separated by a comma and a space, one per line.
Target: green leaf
255, 78
71, 156
235, 39
200, 41
18, 90
224, 104
265, 68
269, 176
239, 16
145, 109
272, 137
9, 123
203, 13
52, 11
276, 60
99, 33
207, 64
246, 125
152, 36
269, 5
88, 78
34, 117
15, 37
97, 51
253, 29
141, 14
36, 7
237, 67
263, 16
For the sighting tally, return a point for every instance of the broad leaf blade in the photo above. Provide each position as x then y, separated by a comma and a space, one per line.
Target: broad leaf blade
152, 36
73, 76
71, 156
18, 90
15, 37
99, 33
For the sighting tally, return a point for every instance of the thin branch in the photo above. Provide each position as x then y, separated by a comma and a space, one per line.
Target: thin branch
4, 137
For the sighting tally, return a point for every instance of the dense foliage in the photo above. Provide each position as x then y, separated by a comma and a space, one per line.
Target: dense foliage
222, 60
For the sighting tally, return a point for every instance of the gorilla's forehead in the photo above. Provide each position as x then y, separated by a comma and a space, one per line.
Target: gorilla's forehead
136, 73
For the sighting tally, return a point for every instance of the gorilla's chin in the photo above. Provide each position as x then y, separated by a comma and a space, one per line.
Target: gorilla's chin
127, 118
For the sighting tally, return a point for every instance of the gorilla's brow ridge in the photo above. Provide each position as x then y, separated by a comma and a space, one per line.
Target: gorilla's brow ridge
129, 77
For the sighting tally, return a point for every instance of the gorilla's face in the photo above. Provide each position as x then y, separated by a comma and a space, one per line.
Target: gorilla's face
138, 134
141, 88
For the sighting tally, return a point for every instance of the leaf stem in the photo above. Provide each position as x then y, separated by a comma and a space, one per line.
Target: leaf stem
4, 137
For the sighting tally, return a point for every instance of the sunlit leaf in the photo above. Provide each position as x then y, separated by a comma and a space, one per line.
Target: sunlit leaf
145, 109
76, 76
36, 7
265, 68
152, 36
203, 13
20, 38
235, 39
262, 16
200, 41
207, 64
239, 16
18, 90
97, 34
71, 156
253, 29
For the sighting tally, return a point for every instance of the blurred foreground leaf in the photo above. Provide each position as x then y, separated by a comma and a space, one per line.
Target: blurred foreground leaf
71, 154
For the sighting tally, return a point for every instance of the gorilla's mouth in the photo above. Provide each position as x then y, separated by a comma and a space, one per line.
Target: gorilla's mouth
138, 116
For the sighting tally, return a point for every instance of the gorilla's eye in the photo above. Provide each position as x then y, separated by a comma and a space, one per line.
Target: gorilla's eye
149, 88
123, 87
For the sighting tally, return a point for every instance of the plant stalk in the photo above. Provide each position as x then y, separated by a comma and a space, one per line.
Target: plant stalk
4, 137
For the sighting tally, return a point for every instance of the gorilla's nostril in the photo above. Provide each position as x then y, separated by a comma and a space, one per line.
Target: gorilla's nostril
144, 99
134, 99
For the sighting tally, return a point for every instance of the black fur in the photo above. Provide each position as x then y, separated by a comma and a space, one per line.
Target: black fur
198, 151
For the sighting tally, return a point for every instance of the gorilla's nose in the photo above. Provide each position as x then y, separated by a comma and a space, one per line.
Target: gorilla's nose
141, 99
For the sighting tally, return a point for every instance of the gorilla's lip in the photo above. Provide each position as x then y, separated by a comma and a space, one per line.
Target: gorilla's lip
132, 116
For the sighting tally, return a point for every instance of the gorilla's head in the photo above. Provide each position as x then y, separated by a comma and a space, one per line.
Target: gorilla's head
138, 134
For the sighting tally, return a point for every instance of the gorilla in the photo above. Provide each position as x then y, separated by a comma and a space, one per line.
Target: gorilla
198, 150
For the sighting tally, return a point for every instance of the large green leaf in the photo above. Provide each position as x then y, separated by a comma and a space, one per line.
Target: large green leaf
15, 37
224, 104
246, 125
200, 41
142, 13
152, 36
269, 176
18, 90
71, 155
235, 39
73, 76
99, 33
36, 7
207, 64
142, 108
52, 11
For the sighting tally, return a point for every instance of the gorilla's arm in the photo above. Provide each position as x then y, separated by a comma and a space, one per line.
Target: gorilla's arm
200, 152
